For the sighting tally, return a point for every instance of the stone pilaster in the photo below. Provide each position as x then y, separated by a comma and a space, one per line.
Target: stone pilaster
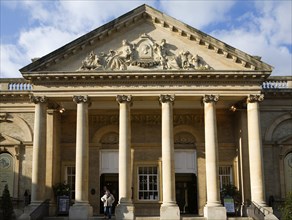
213, 208
169, 209
255, 149
125, 208
81, 209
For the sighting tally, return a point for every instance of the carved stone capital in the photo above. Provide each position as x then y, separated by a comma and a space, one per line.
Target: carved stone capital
210, 98
38, 99
255, 98
81, 98
3, 116
124, 98
166, 98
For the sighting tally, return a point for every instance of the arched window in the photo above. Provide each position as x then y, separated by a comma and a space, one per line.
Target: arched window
6, 172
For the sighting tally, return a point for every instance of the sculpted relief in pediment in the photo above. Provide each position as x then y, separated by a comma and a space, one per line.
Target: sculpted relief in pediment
146, 53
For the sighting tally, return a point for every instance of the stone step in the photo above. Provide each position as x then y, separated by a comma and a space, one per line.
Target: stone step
147, 218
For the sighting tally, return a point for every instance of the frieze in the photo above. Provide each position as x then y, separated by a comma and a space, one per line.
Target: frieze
147, 53
255, 98
153, 119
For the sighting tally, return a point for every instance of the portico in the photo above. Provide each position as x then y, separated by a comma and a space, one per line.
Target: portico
167, 103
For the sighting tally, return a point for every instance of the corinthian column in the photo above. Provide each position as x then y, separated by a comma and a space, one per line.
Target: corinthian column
213, 208
125, 208
81, 209
169, 208
255, 149
39, 151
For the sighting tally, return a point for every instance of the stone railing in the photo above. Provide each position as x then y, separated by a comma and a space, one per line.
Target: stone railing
41, 211
260, 213
279, 82
15, 84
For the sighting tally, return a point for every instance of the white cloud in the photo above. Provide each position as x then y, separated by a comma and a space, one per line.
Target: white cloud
264, 34
11, 60
198, 13
40, 41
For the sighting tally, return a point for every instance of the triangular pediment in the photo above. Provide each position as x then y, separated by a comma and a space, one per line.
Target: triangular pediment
145, 39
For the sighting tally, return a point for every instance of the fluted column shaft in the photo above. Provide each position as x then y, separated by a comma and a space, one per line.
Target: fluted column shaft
39, 150
255, 149
211, 150
167, 151
82, 150
125, 175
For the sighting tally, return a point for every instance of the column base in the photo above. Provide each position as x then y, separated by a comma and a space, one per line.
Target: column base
215, 213
80, 211
125, 211
171, 212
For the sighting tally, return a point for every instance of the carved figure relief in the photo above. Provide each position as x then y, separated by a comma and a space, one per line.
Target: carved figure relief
146, 53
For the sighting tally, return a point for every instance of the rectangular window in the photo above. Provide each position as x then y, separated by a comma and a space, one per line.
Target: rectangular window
70, 179
225, 175
148, 183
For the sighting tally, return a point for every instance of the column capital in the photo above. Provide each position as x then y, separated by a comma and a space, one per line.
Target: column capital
255, 98
81, 98
38, 99
166, 98
210, 98
124, 98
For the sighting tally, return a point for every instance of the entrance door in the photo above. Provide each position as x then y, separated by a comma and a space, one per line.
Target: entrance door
111, 182
186, 193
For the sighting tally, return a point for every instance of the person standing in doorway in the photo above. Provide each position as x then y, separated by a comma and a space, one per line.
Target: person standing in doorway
108, 200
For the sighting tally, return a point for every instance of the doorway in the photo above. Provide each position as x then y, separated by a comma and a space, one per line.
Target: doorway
186, 192
111, 182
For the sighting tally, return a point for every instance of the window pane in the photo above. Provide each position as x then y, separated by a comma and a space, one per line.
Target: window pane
148, 186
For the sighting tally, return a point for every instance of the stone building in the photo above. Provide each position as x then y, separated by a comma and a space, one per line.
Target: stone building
160, 113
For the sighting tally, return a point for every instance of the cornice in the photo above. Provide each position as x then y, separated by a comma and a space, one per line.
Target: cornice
147, 78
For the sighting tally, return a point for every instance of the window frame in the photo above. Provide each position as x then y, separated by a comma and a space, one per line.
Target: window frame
221, 176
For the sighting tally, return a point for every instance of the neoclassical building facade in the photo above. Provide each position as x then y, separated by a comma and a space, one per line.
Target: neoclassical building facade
158, 112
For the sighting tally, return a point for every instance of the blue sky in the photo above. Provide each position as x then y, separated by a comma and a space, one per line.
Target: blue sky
34, 28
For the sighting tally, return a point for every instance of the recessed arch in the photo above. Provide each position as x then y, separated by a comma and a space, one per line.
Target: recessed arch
188, 129
274, 125
102, 131
22, 124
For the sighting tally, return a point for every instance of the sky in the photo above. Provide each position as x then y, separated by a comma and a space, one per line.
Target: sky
34, 28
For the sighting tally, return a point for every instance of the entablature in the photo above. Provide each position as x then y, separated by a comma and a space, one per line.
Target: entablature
148, 78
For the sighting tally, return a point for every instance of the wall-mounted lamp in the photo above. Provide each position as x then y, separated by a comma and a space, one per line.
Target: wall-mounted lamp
233, 108
62, 110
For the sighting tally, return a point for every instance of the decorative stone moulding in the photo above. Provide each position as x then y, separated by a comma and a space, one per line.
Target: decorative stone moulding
38, 99
255, 98
124, 98
80, 99
146, 53
210, 98
166, 98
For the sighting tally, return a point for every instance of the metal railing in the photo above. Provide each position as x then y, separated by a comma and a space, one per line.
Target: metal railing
41, 211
